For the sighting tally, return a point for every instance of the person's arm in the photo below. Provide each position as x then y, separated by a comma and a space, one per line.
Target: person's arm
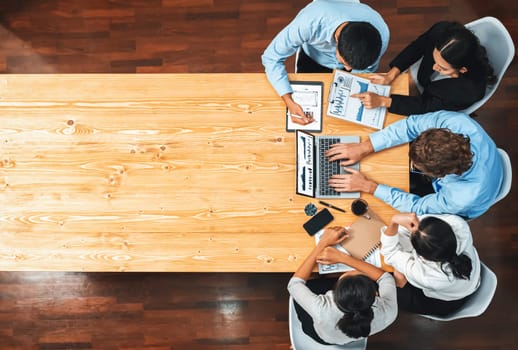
452, 197
386, 304
407, 129
400, 279
402, 262
309, 301
331, 236
407, 105
447, 94
331, 255
297, 288
390, 246
408, 220
406, 266
416, 49
285, 44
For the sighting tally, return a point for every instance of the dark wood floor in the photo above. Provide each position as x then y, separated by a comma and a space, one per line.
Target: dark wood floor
157, 311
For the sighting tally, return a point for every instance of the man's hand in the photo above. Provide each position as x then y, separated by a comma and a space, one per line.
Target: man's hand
330, 255
349, 153
355, 181
372, 100
296, 112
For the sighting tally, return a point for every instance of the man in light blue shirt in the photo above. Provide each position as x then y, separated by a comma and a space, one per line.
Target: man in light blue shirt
448, 146
335, 34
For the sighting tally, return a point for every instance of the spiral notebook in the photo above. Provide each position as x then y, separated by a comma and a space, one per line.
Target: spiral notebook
373, 259
364, 236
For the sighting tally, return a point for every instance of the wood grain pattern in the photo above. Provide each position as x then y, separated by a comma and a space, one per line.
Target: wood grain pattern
223, 311
183, 172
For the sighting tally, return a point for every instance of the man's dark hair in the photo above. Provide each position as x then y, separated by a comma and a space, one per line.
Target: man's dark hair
359, 44
439, 152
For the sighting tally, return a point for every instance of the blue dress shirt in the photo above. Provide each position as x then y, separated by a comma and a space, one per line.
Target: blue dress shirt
468, 195
313, 29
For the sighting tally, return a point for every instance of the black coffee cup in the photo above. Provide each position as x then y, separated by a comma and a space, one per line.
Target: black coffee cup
360, 207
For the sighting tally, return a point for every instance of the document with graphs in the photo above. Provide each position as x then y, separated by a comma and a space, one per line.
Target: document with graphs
341, 105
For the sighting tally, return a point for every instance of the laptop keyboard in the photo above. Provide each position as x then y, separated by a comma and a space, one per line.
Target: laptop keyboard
326, 168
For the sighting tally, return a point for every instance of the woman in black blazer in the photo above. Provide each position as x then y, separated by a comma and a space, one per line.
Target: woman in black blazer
453, 73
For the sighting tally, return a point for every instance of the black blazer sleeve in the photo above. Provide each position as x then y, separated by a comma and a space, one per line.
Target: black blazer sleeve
451, 94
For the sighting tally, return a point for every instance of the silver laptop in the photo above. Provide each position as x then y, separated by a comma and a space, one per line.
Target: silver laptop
314, 169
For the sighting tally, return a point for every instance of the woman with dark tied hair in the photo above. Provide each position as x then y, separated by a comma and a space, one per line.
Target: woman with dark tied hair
448, 67
437, 266
338, 311
354, 296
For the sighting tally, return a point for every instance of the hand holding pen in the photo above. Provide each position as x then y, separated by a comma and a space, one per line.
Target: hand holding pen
305, 119
297, 114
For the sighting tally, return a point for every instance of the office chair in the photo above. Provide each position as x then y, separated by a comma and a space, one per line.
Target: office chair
508, 175
302, 341
500, 51
478, 302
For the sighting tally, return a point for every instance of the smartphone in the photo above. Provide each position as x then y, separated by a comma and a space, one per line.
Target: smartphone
318, 222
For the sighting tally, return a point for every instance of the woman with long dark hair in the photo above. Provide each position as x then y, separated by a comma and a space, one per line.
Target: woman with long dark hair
338, 311
437, 266
448, 67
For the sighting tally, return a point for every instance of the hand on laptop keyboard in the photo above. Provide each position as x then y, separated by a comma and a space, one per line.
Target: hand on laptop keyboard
349, 153
354, 181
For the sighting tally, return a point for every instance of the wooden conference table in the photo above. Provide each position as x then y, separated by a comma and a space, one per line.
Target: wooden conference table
159, 172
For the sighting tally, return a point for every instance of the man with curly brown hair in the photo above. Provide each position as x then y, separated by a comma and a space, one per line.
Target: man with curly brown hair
448, 147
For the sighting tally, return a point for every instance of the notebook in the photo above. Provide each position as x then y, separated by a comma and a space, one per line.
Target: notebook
373, 259
313, 168
364, 236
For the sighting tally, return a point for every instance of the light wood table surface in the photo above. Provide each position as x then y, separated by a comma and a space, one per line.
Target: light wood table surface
159, 172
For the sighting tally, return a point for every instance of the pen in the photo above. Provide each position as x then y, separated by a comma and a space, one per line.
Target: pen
296, 116
331, 206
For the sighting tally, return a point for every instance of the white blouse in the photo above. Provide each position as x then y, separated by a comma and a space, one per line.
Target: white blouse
428, 275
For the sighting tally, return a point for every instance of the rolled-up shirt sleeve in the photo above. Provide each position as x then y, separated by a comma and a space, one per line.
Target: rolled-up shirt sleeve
284, 45
408, 129
444, 201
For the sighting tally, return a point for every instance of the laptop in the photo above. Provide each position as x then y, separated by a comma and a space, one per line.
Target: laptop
314, 169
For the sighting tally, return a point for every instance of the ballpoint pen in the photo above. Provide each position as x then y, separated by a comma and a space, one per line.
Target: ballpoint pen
331, 206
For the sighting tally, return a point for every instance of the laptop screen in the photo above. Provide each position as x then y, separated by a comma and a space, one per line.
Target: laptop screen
305, 164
